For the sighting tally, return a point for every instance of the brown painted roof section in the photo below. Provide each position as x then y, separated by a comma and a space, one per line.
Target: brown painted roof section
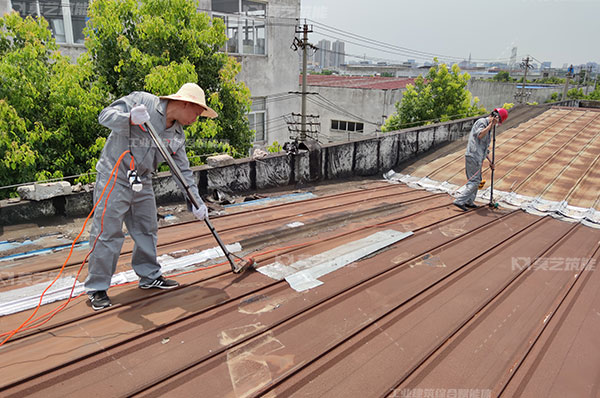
555, 155
365, 82
485, 302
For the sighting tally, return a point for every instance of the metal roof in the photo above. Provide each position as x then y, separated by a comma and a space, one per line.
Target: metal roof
480, 303
552, 158
365, 82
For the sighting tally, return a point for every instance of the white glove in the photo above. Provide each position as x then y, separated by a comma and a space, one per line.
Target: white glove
139, 114
200, 213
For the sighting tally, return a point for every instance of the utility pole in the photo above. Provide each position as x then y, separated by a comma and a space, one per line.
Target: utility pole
304, 44
587, 73
567, 78
525, 64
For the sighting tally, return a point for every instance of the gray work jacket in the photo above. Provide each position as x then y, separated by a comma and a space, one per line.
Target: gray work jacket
477, 148
146, 156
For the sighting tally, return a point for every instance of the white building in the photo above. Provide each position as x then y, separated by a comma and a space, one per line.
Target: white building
323, 54
260, 34
351, 107
338, 54
65, 17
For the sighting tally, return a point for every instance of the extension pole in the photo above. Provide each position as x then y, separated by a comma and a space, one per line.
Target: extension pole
494, 163
179, 175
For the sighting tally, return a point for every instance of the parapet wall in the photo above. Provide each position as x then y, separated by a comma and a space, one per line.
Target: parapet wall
365, 157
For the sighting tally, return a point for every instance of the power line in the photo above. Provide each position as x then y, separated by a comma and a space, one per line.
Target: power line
373, 48
365, 57
338, 110
382, 45
403, 50
333, 104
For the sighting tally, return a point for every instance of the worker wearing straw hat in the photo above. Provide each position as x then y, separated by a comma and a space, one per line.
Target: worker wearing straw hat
132, 199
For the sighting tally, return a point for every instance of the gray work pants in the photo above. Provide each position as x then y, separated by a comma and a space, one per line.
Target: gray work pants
473, 171
138, 211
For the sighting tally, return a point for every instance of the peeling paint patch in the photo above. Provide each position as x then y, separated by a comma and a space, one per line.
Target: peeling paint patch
230, 336
429, 261
402, 257
260, 304
454, 229
251, 366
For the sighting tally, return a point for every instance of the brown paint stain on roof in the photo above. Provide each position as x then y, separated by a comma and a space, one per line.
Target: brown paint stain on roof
364, 82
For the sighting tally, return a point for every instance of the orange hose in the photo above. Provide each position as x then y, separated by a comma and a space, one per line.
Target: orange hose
55, 311
115, 172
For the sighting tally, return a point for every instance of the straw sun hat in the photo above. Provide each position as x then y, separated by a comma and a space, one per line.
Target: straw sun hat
191, 92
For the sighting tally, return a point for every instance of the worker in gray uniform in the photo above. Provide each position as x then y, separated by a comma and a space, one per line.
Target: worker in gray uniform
132, 199
477, 150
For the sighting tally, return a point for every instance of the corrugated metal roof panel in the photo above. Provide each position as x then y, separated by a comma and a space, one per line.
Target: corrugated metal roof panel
482, 303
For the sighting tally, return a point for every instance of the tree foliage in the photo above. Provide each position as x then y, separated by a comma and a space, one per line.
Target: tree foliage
274, 147
575, 93
157, 46
595, 95
439, 97
502, 76
49, 106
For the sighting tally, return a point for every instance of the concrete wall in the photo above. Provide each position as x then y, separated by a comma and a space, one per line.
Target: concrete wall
366, 157
277, 71
360, 105
5, 6
494, 94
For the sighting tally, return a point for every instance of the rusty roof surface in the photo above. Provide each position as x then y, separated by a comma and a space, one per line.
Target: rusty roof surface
480, 303
365, 82
554, 156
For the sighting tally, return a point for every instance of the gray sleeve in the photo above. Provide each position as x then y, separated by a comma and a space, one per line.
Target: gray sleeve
116, 115
181, 159
478, 127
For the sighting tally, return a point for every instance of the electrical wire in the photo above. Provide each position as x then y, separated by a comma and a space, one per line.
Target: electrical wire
322, 101
405, 50
28, 322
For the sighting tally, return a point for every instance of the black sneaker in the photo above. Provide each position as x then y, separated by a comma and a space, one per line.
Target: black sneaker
160, 283
99, 300
460, 206
471, 206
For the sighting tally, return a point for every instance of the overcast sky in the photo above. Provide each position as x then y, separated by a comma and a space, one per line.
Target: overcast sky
560, 31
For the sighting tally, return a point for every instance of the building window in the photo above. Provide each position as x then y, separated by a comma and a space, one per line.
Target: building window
257, 118
245, 28
78, 17
65, 17
344, 126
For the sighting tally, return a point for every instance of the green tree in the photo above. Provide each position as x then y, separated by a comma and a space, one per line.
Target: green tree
49, 105
502, 76
554, 97
575, 93
595, 95
274, 147
550, 80
439, 97
157, 46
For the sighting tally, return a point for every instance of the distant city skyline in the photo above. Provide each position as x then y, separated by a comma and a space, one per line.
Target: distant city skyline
556, 31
